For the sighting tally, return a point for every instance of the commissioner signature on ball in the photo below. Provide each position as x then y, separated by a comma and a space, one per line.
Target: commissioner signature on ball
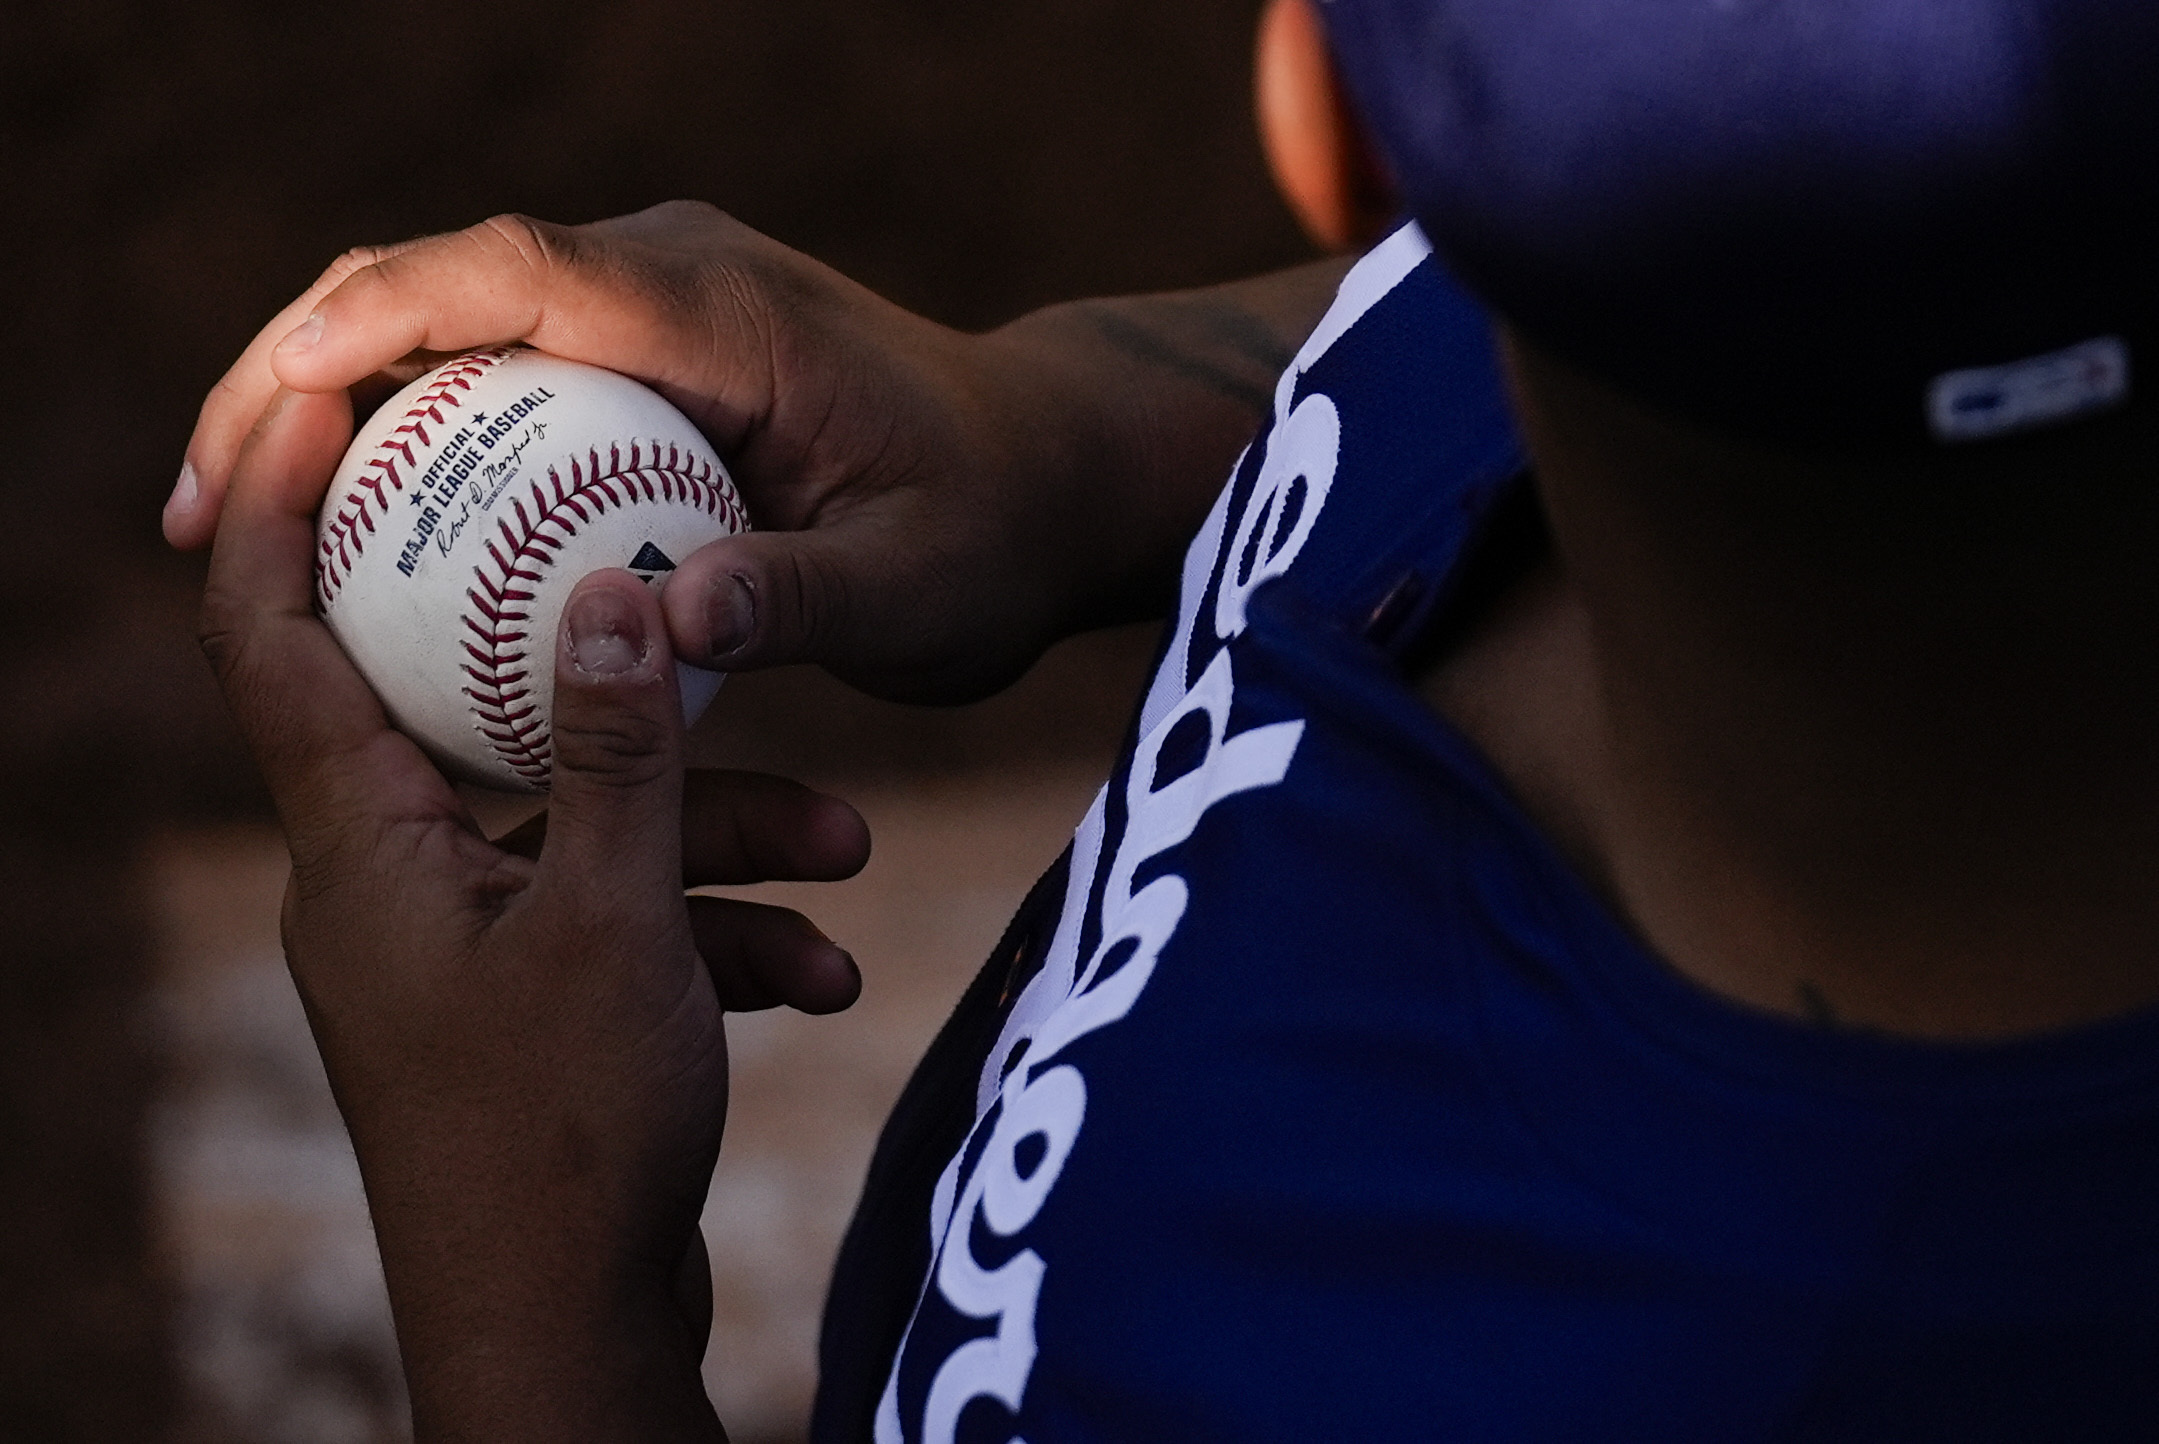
496, 475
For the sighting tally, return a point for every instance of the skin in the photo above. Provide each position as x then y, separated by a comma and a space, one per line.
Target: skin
1859, 745
1326, 168
892, 465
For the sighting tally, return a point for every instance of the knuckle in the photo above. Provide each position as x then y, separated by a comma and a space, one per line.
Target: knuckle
742, 297
228, 389
742, 323
289, 916
689, 212
817, 599
359, 268
672, 237
229, 394
625, 749
220, 630
245, 659
358, 258
688, 227
538, 246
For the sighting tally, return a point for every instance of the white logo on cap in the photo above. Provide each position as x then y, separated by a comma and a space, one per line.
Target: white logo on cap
2038, 391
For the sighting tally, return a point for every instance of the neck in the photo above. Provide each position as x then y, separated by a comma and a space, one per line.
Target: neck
1879, 750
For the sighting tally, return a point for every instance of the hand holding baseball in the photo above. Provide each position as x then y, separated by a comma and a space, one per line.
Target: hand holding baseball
527, 1050
859, 434
463, 514
934, 508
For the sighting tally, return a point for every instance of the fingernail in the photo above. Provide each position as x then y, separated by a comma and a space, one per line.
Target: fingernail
606, 633
303, 336
184, 491
730, 614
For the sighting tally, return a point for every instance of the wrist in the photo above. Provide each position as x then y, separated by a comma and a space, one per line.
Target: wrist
1139, 407
1112, 464
535, 1293
536, 1365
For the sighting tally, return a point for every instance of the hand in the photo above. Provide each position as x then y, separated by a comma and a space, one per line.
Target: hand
527, 1049
934, 508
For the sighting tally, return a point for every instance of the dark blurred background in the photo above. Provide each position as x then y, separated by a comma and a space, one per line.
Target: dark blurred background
175, 174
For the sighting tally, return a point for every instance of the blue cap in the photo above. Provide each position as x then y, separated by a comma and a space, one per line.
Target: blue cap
1836, 223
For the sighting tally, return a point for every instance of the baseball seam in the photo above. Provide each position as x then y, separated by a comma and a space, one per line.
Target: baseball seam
498, 642
344, 538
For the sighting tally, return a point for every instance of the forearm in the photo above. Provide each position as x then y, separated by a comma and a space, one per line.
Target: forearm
1156, 395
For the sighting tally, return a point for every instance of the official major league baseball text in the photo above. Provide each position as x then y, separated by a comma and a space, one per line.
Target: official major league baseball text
462, 515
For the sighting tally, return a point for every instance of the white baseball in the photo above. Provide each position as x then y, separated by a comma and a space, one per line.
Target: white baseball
463, 514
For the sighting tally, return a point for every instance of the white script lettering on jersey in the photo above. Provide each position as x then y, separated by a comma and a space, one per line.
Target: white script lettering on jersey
1037, 1097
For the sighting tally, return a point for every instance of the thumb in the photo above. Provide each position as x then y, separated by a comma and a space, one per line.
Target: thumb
615, 817
768, 598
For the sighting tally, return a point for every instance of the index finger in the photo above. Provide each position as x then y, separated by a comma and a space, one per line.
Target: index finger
316, 729
649, 295
643, 295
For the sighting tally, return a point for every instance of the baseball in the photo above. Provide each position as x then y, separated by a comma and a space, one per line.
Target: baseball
465, 511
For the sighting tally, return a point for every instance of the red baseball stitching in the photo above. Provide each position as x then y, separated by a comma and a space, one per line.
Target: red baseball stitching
345, 538
500, 667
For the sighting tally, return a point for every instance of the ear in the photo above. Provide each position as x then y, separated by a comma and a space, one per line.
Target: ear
1323, 162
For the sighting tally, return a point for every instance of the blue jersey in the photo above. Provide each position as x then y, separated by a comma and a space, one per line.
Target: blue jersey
1314, 1097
